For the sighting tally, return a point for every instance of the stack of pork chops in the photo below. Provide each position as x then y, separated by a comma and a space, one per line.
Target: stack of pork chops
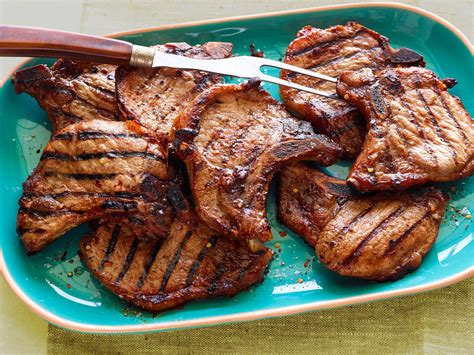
172, 167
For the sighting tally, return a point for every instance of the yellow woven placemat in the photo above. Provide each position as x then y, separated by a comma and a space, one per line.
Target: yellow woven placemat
440, 321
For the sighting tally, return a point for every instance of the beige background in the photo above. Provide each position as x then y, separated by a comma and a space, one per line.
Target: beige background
21, 330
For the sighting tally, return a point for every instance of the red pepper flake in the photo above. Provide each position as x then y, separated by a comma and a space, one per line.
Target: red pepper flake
68, 285
282, 234
306, 263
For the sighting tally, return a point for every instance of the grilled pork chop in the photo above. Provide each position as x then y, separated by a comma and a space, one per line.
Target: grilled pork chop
307, 199
154, 97
233, 138
91, 169
192, 263
331, 51
417, 131
71, 91
377, 237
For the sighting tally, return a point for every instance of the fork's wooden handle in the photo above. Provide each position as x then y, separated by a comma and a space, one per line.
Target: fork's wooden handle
18, 41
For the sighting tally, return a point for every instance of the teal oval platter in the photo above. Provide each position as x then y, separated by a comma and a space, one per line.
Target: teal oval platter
79, 302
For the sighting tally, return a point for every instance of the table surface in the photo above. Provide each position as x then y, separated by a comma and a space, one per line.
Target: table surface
21, 331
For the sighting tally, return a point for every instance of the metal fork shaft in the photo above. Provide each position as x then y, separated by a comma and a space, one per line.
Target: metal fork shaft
242, 67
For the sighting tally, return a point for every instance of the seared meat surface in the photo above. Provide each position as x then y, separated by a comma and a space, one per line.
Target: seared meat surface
331, 51
192, 263
71, 91
307, 199
233, 138
91, 169
378, 237
154, 97
417, 131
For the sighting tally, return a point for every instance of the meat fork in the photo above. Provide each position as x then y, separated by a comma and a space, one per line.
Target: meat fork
18, 41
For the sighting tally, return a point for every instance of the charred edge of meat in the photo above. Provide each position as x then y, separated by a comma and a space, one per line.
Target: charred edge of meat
450, 82
402, 56
23, 79
256, 53
65, 102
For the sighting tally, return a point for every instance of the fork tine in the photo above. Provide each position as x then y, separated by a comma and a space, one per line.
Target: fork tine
276, 64
278, 81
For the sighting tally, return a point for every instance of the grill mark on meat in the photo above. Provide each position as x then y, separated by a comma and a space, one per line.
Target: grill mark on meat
22, 231
243, 272
216, 278
377, 104
89, 156
238, 139
217, 134
100, 135
86, 135
174, 261
436, 126
111, 246
381, 108
100, 89
41, 214
70, 116
128, 260
336, 60
195, 267
93, 107
395, 243
322, 45
450, 113
336, 132
392, 123
120, 194
104, 176
254, 154
394, 88
149, 262
62, 136
355, 220
303, 206
359, 249
421, 133
136, 220
119, 205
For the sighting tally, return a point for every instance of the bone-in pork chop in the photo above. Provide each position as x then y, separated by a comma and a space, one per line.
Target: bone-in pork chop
193, 262
379, 237
331, 51
417, 131
154, 97
91, 169
233, 138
